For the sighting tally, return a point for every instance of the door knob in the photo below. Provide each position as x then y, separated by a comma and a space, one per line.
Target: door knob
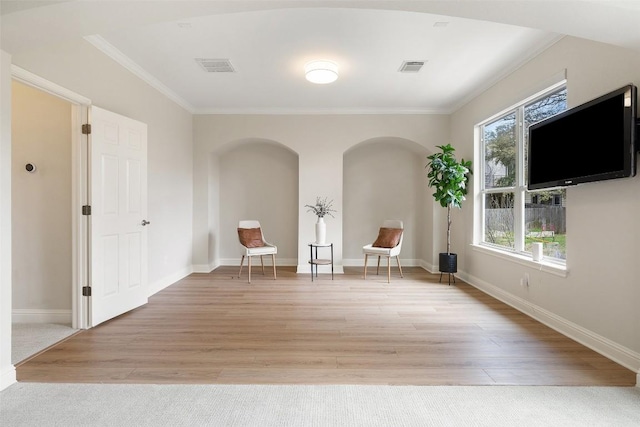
145, 222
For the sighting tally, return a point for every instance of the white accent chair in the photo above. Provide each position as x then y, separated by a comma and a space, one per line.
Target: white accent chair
385, 251
260, 246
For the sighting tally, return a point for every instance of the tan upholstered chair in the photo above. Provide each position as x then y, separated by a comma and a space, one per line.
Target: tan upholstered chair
253, 244
388, 244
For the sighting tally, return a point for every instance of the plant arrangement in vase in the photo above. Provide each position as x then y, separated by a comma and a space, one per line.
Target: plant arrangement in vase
450, 178
320, 209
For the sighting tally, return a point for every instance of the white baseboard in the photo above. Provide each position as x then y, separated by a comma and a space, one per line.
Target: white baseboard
609, 349
202, 268
28, 315
359, 262
7, 376
427, 266
160, 284
280, 262
322, 269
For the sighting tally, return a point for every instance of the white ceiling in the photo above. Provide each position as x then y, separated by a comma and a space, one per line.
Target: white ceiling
466, 45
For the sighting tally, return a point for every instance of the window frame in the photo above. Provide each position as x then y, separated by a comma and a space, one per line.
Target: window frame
519, 189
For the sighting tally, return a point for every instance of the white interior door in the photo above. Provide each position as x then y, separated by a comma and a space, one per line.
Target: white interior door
118, 177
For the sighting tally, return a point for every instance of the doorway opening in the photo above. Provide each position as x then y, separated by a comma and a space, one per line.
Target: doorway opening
49, 187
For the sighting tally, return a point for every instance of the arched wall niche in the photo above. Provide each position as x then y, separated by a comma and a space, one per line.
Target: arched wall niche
253, 178
385, 178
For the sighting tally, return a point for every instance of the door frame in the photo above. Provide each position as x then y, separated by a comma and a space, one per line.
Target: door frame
79, 189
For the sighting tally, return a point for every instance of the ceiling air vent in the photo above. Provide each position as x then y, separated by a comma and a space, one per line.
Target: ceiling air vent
215, 65
411, 66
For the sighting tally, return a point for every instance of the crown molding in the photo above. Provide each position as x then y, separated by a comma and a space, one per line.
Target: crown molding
318, 111
115, 54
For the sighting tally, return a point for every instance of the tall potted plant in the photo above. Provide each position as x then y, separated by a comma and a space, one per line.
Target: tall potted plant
450, 179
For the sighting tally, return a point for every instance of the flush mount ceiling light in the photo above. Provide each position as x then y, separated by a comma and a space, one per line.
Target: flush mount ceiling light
321, 72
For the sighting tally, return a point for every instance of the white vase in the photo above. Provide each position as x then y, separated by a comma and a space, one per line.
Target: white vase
321, 231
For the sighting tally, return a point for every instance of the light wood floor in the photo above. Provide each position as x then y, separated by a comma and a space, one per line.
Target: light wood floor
216, 328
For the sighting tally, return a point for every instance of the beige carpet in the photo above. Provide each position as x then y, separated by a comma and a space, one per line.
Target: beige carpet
28, 339
34, 404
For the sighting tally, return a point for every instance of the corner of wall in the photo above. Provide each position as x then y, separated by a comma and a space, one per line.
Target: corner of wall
204, 268
166, 281
7, 377
7, 370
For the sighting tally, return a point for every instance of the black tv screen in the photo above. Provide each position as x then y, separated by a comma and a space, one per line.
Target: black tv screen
591, 142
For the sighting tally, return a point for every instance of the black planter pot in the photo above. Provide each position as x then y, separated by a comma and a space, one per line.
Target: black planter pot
448, 263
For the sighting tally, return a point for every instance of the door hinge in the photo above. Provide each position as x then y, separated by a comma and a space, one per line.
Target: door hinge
86, 210
86, 129
86, 291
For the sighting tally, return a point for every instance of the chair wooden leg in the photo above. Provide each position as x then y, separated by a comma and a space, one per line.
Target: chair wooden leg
241, 263
273, 260
388, 269
262, 262
365, 265
378, 269
399, 266
249, 260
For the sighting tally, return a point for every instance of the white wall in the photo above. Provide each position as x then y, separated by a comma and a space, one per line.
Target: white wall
41, 205
7, 371
597, 301
83, 69
320, 142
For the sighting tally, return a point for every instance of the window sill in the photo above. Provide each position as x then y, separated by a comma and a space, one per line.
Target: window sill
545, 266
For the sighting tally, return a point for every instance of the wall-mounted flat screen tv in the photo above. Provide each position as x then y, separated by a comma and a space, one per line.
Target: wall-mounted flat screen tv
591, 142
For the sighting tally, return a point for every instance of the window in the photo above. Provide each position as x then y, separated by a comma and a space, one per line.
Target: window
512, 217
